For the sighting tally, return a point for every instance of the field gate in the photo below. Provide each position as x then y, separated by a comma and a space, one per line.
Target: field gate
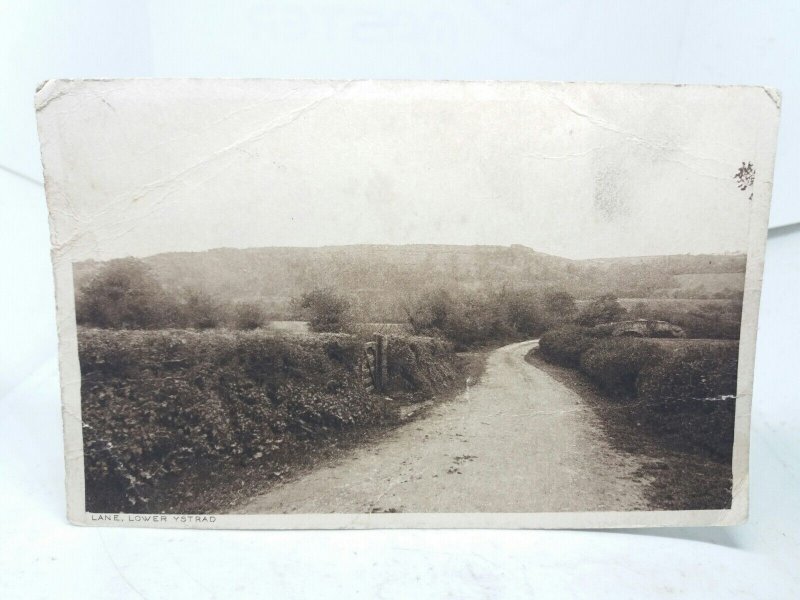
375, 366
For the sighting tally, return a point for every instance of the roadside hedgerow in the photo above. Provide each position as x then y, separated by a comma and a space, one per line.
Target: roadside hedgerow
158, 405
690, 397
697, 372
614, 363
684, 394
564, 345
420, 364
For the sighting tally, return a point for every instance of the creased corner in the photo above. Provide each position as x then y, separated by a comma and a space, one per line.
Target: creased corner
50, 90
774, 95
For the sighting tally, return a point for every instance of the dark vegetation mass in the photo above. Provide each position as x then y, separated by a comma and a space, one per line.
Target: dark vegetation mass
126, 294
674, 397
684, 393
479, 318
157, 405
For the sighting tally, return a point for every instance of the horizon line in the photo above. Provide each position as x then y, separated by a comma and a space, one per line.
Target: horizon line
409, 245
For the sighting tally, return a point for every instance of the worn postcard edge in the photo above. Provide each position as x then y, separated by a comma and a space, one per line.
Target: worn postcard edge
70, 380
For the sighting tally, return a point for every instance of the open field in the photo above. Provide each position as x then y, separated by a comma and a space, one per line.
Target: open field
678, 303
293, 327
364, 329
668, 304
368, 329
712, 282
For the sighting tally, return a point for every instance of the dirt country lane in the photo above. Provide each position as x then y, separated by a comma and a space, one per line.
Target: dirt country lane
518, 441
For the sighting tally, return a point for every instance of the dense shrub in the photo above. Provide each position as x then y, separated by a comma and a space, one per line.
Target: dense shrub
124, 294
682, 393
525, 314
689, 397
476, 318
444, 314
248, 315
158, 404
560, 306
604, 309
699, 372
474, 323
325, 309
199, 310
565, 345
614, 363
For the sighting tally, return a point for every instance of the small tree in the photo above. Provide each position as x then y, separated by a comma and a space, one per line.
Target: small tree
523, 315
605, 309
248, 315
124, 294
560, 305
200, 310
326, 310
430, 311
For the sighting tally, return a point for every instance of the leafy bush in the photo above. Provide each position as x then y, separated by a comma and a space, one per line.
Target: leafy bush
565, 345
160, 404
560, 306
605, 309
689, 396
693, 372
326, 310
475, 323
124, 294
525, 314
200, 310
475, 318
157, 403
614, 363
248, 315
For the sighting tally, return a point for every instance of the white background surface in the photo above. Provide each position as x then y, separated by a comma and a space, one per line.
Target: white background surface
694, 42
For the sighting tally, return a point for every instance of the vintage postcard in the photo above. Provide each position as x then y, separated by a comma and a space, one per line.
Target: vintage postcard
355, 304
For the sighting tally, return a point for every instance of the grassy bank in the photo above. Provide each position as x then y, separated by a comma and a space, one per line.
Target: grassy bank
186, 421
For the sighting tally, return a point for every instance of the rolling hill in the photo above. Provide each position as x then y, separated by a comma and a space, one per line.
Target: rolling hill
377, 276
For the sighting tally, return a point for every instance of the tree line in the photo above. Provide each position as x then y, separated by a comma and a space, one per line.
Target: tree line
125, 294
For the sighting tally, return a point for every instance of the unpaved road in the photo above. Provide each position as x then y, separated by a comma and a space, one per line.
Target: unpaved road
518, 441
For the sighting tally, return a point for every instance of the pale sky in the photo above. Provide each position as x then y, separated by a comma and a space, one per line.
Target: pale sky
143, 167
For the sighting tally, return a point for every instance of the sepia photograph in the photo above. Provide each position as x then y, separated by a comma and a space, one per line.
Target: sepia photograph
369, 304
393, 300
